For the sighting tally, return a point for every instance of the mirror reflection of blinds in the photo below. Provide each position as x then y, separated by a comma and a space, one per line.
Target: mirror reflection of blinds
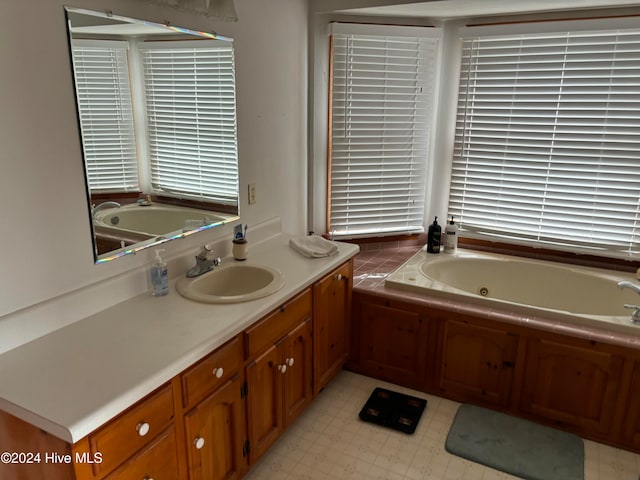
106, 118
382, 97
547, 141
190, 103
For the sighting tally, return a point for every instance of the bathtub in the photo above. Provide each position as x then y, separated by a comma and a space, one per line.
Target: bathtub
153, 220
587, 296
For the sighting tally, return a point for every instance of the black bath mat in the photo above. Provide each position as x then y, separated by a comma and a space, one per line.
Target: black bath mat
394, 410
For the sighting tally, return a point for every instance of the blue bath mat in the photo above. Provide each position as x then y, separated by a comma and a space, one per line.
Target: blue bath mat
515, 446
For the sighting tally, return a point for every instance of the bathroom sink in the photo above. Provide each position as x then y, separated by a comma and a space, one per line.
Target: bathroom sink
232, 284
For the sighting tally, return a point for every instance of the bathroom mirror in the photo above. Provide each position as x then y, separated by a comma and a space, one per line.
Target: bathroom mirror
157, 115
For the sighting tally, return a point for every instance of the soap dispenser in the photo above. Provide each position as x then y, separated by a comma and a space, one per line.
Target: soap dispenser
433, 237
451, 237
159, 276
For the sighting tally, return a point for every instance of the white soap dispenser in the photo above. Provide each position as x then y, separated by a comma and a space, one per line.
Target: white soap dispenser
451, 237
159, 276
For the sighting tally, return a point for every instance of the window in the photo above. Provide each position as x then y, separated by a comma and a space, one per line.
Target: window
382, 97
191, 119
186, 140
106, 118
547, 137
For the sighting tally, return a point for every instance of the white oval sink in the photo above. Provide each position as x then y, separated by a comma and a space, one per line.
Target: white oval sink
232, 284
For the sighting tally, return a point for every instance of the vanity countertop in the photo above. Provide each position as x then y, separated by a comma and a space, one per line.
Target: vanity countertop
75, 379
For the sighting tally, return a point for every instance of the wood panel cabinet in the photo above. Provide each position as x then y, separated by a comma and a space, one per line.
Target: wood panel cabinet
476, 362
394, 344
280, 388
216, 434
131, 431
631, 419
279, 377
572, 382
331, 320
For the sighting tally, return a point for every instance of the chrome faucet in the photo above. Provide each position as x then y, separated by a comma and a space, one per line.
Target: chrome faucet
104, 205
204, 262
627, 284
635, 315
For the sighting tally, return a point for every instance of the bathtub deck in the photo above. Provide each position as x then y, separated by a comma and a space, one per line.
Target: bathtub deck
373, 264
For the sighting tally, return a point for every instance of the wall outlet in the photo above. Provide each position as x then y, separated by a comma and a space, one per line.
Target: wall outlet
252, 193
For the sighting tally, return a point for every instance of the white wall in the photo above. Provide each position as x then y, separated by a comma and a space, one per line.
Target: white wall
47, 274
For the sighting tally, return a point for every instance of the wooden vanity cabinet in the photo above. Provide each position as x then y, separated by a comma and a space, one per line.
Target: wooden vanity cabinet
215, 414
279, 372
215, 432
476, 362
331, 320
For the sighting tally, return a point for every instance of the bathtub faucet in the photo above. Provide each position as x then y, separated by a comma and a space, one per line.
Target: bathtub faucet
104, 205
627, 284
635, 315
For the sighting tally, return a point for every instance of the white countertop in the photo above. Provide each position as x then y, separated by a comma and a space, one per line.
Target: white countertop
75, 379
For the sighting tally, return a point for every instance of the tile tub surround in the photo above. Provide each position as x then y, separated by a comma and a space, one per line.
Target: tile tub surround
372, 266
74, 380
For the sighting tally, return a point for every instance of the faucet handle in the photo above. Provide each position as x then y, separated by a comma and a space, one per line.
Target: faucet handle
635, 315
205, 251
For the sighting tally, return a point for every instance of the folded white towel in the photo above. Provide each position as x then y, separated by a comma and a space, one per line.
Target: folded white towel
313, 246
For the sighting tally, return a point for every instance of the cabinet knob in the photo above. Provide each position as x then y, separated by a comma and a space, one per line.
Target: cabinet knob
282, 368
142, 428
218, 372
199, 442
290, 361
338, 276
148, 478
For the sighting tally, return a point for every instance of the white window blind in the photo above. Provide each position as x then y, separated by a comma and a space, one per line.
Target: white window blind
547, 140
190, 103
106, 119
382, 97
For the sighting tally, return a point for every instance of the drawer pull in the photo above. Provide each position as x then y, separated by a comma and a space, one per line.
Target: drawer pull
218, 372
290, 361
143, 428
282, 368
199, 442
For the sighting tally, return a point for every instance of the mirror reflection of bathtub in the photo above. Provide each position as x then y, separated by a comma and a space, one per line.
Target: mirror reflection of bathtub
550, 290
120, 227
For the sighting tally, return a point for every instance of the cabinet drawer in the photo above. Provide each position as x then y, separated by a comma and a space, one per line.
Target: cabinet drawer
131, 431
211, 372
278, 323
158, 461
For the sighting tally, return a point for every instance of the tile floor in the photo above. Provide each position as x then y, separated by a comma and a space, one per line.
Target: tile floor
329, 442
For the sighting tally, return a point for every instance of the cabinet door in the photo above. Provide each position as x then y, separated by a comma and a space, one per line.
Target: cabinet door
264, 401
575, 384
216, 434
298, 391
477, 362
332, 316
394, 344
631, 423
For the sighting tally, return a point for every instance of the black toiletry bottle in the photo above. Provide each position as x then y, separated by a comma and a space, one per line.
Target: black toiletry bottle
433, 237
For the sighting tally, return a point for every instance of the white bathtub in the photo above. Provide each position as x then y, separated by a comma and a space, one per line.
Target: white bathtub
544, 289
